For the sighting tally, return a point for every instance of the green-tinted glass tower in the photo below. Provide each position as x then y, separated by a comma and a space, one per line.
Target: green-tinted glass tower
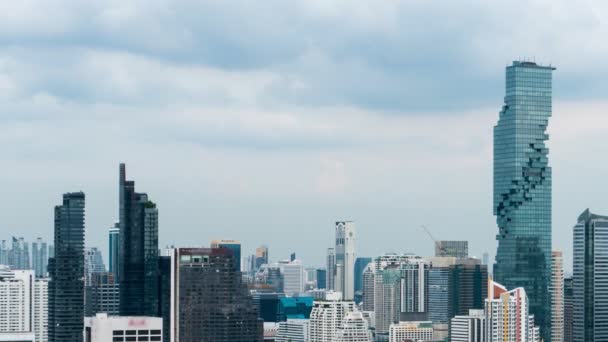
522, 188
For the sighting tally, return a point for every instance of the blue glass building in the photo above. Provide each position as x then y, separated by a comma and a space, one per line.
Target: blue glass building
295, 308
522, 187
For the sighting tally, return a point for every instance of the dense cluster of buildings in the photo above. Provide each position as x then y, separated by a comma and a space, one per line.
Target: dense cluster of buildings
63, 292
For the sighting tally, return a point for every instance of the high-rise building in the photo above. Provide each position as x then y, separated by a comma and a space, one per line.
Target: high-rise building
40, 257
456, 249
522, 187
387, 298
93, 263
411, 331
23, 304
327, 317
321, 278
568, 310
19, 255
293, 278
469, 328
415, 286
557, 297
103, 328
367, 297
400, 285
468, 288
267, 304
4, 253
138, 269
354, 328
102, 295
40, 310
331, 269
234, 245
345, 259
293, 330
507, 315
360, 265
209, 301
16, 300
66, 269
261, 256
114, 249
438, 308
590, 278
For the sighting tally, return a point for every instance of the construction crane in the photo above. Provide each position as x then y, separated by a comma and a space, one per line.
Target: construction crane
437, 244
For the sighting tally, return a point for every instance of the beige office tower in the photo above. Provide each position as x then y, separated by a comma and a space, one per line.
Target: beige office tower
557, 296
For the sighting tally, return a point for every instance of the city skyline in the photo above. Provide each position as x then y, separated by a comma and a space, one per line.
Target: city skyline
317, 143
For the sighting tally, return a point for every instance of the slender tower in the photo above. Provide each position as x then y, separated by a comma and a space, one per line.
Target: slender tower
66, 269
345, 259
522, 188
138, 268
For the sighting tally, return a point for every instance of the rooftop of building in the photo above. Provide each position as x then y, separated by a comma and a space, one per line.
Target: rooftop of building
531, 64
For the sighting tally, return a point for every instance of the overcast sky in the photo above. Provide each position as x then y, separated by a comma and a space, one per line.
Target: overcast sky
266, 121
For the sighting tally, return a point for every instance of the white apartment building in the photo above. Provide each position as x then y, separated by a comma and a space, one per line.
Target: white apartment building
23, 304
293, 278
327, 317
104, 328
507, 315
414, 331
354, 329
469, 328
293, 330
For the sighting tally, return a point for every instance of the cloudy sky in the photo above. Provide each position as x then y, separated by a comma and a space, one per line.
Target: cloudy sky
266, 121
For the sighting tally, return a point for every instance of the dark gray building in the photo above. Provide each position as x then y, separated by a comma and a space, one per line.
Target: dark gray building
102, 295
568, 310
321, 278
468, 286
138, 268
210, 301
66, 268
590, 278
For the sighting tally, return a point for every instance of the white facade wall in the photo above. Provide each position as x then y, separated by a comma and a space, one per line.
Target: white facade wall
40, 309
17, 337
293, 330
293, 278
470, 328
16, 300
104, 328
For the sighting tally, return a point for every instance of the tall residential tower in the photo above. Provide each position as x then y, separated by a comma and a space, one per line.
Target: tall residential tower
522, 187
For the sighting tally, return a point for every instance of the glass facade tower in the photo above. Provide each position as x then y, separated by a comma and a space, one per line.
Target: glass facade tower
590, 278
138, 269
66, 268
522, 187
